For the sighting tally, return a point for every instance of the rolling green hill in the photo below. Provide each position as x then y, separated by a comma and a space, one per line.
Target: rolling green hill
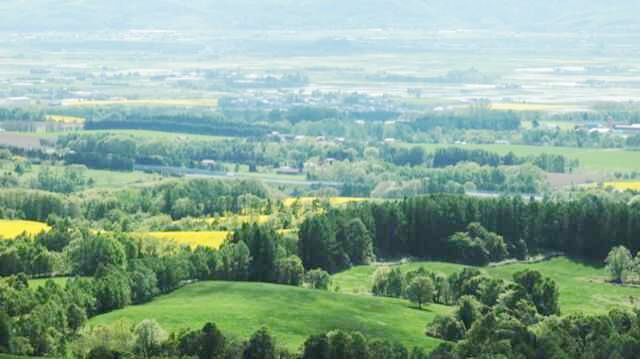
292, 313
583, 288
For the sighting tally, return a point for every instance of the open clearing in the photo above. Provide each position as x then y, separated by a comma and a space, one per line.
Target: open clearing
292, 313
11, 228
583, 288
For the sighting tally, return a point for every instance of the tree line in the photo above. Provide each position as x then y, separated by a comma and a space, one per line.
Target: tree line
438, 227
548, 162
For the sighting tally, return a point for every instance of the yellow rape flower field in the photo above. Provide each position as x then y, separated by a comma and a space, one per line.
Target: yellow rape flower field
261, 219
66, 119
623, 186
12, 228
211, 239
334, 201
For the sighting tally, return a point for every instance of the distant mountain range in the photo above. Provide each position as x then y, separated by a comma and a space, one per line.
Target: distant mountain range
517, 15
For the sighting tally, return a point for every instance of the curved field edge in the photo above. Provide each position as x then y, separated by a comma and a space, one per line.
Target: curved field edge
292, 313
583, 288
11, 228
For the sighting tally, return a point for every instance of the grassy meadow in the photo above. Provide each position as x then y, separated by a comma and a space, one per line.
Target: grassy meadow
39, 282
583, 288
292, 313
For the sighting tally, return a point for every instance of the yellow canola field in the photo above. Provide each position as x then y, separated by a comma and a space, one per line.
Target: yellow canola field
12, 228
143, 102
66, 119
211, 239
261, 219
623, 186
334, 201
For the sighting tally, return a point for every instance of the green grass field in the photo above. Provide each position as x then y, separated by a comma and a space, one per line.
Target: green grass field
147, 134
592, 159
292, 313
39, 282
583, 288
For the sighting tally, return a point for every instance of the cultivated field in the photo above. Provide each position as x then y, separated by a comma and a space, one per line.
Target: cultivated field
623, 186
212, 239
239, 219
334, 201
11, 228
66, 119
583, 288
292, 313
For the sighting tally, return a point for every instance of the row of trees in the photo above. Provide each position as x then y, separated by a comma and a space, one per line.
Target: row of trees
181, 122
424, 227
180, 198
548, 162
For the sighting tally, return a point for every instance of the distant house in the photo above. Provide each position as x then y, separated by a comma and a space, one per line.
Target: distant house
286, 170
328, 161
209, 164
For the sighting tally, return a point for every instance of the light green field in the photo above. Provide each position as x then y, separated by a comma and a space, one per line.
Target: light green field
104, 178
39, 282
292, 313
594, 159
148, 134
583, 288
